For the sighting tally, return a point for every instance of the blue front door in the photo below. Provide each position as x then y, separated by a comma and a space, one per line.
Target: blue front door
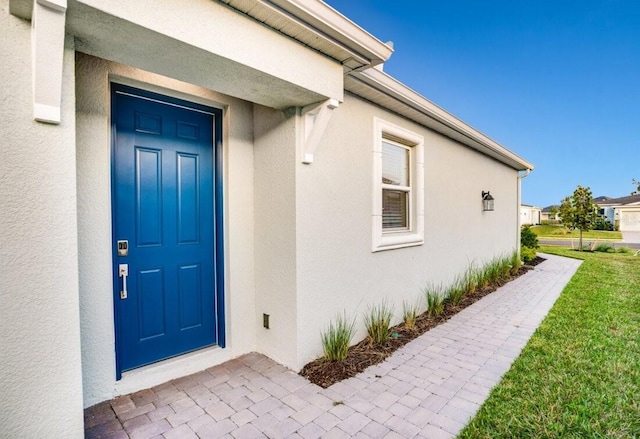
166, 227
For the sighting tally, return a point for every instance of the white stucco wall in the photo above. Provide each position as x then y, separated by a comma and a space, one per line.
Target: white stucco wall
336, 268
206, 43
275, 233
40, 375
94, 229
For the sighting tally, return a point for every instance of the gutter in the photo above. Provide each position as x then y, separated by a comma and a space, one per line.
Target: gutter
335, 27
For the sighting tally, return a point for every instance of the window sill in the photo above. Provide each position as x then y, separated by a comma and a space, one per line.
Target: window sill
393, 241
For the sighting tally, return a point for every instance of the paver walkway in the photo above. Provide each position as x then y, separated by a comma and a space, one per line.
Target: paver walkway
430, 388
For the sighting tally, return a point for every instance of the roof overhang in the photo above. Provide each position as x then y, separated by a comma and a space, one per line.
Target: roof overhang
320, 27
277, 53
376, 86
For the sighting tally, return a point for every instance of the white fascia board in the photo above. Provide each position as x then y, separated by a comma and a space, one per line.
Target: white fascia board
323, 18
393, 88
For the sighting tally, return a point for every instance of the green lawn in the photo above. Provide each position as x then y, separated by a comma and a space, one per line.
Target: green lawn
559, 232
579, 375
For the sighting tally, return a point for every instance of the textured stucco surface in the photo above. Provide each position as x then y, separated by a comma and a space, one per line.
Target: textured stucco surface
94, 229
275, 233
205, 43
336, 268
40, 375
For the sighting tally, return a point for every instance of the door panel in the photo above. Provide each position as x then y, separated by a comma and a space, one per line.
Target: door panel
167, 205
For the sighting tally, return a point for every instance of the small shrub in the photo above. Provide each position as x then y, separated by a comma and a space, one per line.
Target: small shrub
528, 238
455, 293
435, 297
505, 268
337, 338
493, 271
623, 250
470, 280
378, 322
410, 313
528, 254
604, 247
515, 263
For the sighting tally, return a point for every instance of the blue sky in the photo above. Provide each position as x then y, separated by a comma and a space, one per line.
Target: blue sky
557, 82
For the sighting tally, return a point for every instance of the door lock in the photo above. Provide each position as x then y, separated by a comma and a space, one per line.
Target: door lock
123, 272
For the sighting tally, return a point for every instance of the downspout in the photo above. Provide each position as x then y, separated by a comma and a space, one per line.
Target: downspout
521, 175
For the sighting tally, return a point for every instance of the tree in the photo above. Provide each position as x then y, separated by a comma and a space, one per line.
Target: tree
553, 212
579, 211
637, 184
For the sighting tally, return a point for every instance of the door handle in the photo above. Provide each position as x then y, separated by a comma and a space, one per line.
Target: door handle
123, 272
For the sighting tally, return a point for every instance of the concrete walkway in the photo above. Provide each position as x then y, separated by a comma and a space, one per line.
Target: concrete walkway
430, 388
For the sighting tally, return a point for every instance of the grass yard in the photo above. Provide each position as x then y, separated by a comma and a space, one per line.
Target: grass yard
559, 232
579, 375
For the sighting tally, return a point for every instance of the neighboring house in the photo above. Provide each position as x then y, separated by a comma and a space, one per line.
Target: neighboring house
548, 214
530, 214
177, 175
624, 210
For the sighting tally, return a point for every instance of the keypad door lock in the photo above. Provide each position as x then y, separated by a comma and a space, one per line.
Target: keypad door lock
123, 247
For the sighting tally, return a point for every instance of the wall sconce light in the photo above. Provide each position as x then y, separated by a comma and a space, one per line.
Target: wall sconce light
487, 201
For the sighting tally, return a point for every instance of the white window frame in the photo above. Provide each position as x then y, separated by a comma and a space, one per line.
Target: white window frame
387, 239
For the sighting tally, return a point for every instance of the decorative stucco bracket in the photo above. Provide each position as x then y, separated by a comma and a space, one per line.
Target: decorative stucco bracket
315, 120
47, 52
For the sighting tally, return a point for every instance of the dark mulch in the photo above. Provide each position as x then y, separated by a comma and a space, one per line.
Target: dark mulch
364, 354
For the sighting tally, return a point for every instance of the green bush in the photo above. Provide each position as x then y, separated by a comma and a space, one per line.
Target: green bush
528, 238
455, 293
435, 297
378, 321
528, 254
602, 223
410, 313
337, 338
623, 250
515, 262
604, 247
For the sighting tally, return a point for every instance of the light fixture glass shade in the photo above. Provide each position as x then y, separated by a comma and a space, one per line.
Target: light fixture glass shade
487, 201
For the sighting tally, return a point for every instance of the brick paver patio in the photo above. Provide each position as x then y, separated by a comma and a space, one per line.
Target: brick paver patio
430, 388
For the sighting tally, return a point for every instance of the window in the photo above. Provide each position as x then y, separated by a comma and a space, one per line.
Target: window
398, 187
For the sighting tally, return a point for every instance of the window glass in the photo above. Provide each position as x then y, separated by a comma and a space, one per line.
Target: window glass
395, 164
394, 209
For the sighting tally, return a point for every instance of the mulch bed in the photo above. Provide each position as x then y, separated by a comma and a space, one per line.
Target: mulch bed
364, 354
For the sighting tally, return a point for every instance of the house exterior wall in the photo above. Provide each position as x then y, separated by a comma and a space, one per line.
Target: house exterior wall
298, 237
629, 217
530, 215
336, 268
94, 229
40, 379
191, 40
275, 233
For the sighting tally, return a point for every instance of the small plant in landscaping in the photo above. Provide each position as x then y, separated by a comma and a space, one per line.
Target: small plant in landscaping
455, 293
493, 270
623, 250
604, 247
528, 238
470, 280
505, 268
337, 338
435, 297
378, 322
410, 313
515, 262
528, 254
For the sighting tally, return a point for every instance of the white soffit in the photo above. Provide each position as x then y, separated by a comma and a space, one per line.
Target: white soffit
382, 89
320, 27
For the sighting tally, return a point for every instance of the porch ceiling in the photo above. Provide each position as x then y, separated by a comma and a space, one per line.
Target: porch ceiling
206, 43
